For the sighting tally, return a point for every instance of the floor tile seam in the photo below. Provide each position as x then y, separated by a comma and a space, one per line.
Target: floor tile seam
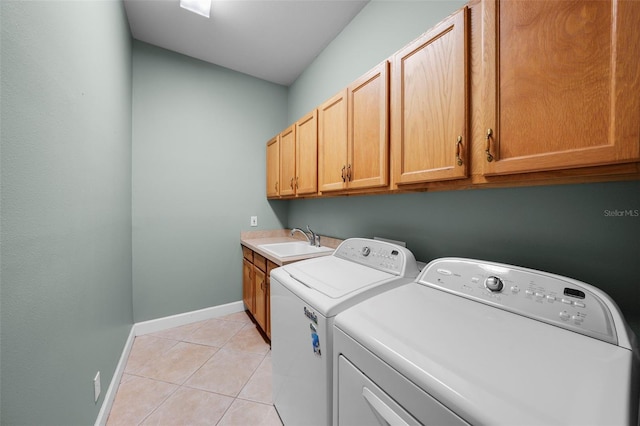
205, 344
161, 403
244, 398
140, 376
225, 341
245, 352
225, 411
184, 383
253, 374
241, 351
268, 404
255, 371
201, 365
159, 337
192, 387
156, 334
172, 383
201, 344
196, 387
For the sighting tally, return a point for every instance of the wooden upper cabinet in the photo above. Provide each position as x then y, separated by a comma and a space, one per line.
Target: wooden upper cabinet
429, 105
368, 129
353, 134
561, 84
288, 161
273, 167
332, 143
307, 154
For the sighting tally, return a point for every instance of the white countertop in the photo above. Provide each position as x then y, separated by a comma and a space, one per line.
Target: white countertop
254, 239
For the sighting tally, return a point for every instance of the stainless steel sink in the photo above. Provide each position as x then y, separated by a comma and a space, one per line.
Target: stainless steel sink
294, 248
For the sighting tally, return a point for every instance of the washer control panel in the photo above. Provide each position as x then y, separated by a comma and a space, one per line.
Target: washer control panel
380, 255
553, 299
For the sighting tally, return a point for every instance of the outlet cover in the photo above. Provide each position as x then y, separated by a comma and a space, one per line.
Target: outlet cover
96, 387
254, 220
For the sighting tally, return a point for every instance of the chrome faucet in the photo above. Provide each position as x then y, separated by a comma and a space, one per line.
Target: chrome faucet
315, 237
312, 237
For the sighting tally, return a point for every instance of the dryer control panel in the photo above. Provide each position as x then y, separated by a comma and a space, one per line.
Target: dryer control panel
541, 296
379, 255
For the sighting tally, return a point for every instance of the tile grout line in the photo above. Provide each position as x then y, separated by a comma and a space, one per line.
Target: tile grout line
183, 385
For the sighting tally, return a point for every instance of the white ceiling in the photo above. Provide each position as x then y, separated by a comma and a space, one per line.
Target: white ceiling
274, 40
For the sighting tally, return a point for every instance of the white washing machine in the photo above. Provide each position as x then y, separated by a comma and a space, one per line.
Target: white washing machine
483, 343
305, 297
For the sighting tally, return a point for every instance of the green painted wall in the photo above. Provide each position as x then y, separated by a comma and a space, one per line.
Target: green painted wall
562, 229
66, 304
376, 33
199, 135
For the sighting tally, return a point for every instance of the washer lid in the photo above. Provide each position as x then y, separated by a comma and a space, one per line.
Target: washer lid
335, 277
491, 366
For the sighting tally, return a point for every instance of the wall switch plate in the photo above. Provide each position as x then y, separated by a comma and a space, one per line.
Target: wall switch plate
254, 220
96, 387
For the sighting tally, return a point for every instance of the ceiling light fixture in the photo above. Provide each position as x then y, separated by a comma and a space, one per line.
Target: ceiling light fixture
201, 7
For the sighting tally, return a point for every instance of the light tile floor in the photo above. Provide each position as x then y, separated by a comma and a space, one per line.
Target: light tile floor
214, 372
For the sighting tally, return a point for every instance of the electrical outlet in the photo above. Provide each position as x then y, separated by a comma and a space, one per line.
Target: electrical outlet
254, 220
96, 387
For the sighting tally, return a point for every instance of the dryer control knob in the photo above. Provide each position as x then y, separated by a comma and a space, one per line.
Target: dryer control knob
494, 284
365, 251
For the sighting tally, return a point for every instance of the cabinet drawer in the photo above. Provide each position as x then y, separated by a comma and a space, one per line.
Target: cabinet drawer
260, 262
247, 254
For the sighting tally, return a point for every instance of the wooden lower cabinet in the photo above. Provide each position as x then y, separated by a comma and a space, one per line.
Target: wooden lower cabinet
256, 288
270, 266
248, 291
260, 286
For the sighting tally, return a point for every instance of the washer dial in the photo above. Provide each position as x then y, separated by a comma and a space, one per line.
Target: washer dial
494, 284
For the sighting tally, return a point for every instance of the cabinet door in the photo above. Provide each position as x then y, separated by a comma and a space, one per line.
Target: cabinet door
288, 161
429, 105
273, 167
270, 267
561, 84
332, 143
260, 313
307, 154
248, 292
368, 137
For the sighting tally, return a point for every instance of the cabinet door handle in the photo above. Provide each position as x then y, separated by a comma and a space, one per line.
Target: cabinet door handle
276, 186
344, 179
349, 173
488, 151
291, 183
297, 182
458, 149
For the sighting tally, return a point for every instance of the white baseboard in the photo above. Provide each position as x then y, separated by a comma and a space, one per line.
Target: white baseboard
110, 395
159, 324
153, 326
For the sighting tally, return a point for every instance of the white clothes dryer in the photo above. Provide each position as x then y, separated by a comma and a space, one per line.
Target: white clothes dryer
483, 343
305, 298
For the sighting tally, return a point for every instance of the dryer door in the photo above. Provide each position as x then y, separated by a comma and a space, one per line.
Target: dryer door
362, 402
